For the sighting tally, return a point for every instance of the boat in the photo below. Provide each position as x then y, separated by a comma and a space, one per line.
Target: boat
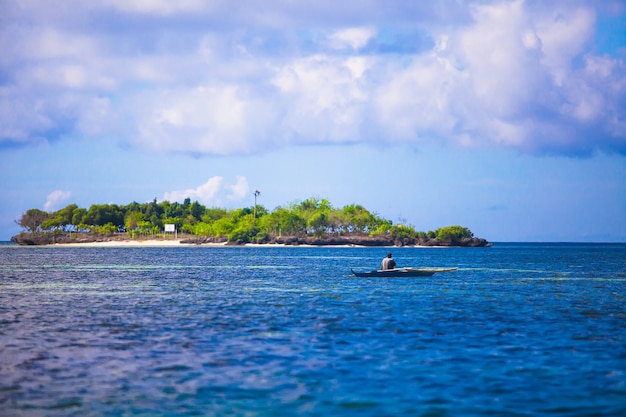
401, 272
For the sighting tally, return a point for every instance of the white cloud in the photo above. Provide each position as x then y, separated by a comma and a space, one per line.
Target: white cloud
55, 199
510, 78
239, 190
564, 33
354, 38
158, 7
214, 192
325, 98
213, 119
514, 74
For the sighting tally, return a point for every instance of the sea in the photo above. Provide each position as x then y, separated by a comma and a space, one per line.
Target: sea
519, 329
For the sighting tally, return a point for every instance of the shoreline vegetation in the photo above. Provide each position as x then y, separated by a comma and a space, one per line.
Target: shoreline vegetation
312, 222
25, 239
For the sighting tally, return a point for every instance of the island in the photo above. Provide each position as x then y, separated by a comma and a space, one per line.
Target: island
312, 222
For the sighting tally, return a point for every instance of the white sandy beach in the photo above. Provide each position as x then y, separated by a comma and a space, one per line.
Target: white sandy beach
144, 243
163, 243
132, 243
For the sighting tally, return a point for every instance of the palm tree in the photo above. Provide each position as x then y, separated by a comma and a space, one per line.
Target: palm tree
256, 194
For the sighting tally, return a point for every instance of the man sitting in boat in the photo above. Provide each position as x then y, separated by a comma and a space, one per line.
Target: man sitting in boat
388, 262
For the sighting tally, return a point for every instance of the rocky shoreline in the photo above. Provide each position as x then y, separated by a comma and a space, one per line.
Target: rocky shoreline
27, 239
353, 241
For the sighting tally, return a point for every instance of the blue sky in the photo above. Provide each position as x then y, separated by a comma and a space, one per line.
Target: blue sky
506, 117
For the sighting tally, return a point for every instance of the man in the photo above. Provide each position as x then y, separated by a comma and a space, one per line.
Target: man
388, 262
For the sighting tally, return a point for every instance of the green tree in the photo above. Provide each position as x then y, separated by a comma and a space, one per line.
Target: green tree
359, 219
67, 213
168, 208
32, 220
78, 216
243, 233
101, 214
107, 229
155, 221
60, 220
153, 209
337, 222
402, 232
199, 229
288, 222
313, 215
178, 221
223, 226
212, 214
196, 210
318, 223
134, 206
132, 220
244, 228
453, 233
383, 227
307, 208
144, 227
260, 211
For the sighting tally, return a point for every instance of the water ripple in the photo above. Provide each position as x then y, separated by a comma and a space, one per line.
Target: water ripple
516, 330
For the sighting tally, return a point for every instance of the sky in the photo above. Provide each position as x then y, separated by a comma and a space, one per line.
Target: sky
505, 117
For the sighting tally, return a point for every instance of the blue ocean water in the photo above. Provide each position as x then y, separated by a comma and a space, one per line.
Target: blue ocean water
517, 330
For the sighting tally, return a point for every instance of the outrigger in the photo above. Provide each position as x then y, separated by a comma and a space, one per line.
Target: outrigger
401, 272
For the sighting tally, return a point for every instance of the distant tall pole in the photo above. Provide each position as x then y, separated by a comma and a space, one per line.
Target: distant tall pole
256, 194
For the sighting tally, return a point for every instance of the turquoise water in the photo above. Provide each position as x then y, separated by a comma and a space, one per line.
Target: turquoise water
517, 330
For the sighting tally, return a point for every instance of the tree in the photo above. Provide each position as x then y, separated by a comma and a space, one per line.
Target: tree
101, 214
223, 226
62, 219
198, 229
337, 222
288, 222
178, 221
402, 232
196, 210
78, 216
155, 221
134, 206
131, 222
310, 206
453, 233
318, 223
212, 214
107, 229
383, 227
32, 220
244, 233
313, 215
153, 208
359, 219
